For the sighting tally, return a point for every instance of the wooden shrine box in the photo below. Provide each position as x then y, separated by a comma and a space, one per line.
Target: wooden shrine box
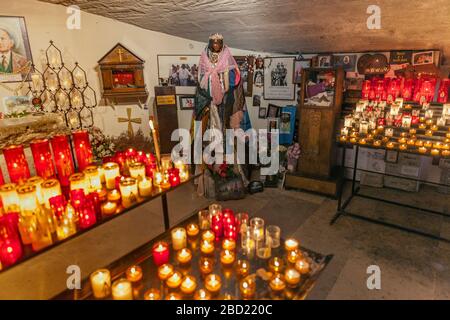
316, 170
122, 74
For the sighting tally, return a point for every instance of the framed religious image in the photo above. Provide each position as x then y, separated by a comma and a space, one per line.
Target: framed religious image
299, 65
186, 102
346, 61
287, 124
245, 64
324, 61
258, 77
178, 70
273, 111
256, 100
391, 156
15, 52
278, 76
262, 112
272, 124
420, 58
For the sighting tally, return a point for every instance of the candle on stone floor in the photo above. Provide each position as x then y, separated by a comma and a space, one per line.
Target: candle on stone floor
152, 294
293, 255
202, 294
174, 280
276, 264
247, 287
435, 152
165, 271
291, 244
188, 285
302, 266
227, 257
160, 253
192, 230
134, 274
228, 244
277, 283
122, 290
213, 283
101, 283
292, 276
207, 247
184, 256
242, 268
206, 265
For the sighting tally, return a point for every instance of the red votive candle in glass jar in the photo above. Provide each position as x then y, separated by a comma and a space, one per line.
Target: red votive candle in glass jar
217, 225
227, 217
86, 215
174, 177
160, 252
95, 199
42, 157
16, 163
120, 159
230, 232
10, 245
83, 149
58, 205
63, 158
2, 180
77, 198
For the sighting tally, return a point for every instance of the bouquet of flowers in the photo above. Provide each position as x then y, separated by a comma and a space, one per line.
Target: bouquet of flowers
222, 171
102, 146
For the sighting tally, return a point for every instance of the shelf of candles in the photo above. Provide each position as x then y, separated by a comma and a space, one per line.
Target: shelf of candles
215, 254
40, 212
421, 129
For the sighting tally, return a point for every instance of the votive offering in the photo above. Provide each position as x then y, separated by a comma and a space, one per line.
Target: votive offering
101, 283
122, 290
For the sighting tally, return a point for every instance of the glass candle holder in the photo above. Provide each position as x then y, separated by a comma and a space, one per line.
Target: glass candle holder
174, 280
206, 265
273, 232
184, 256
129, 192
166, 163
42, 156
10, 245
188, 285
214, 209
276, 264
63, 158
160, 252
293, 255
134, 274
122, 290
9, 198
50, 188
111, 170
247, 287
93, 179
101, 283
213, 283
302, 266
257, 228
248, 244
228, 244
137, 170
16, 163
37, 182
178, 238
192, 230
109, 208
165, 271
78, 181
292, 277
83, 149
242, 221
174, 177
227, 257
113, 196
264, 248
277, 284
204, 219
242, 268
152, 294
145, 187
208, 235
202, 294
207, 247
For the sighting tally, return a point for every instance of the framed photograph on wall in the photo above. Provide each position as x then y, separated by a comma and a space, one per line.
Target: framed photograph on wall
273, 124
421, 58
324, 61
299, 65
15, 52
186, 101
262, 112
287, 124
245, 64
178, 70
346, 61
273, 111
278, 78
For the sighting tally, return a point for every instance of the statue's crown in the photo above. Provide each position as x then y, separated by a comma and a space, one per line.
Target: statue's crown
216, 36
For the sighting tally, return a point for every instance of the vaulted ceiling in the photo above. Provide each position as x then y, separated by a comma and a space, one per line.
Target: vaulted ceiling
288, 26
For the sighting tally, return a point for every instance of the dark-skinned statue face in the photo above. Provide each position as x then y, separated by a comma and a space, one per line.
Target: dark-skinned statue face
215, 45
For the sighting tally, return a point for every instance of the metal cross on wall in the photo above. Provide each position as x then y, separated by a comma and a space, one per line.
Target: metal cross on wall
130, 122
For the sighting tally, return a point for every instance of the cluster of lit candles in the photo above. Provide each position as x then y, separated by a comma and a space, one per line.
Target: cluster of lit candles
368, 125
55, 204
178, 283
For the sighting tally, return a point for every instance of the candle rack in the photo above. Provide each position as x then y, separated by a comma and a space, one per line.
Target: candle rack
59, 89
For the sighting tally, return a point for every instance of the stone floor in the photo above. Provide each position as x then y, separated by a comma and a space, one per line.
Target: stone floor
412, 266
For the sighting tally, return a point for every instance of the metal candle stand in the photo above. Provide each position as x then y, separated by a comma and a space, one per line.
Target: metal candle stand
355, 193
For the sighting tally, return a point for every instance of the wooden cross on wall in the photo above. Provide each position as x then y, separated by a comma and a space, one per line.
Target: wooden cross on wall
130, 122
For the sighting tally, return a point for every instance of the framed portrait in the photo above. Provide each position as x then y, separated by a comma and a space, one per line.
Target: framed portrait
278, 78
258, 77
15, 52
262, 112
186, 101
178, 70
421, 58
245, 64
272, 124
391, 156
324, 61
299, 65
346, 61
273, 111
256, 100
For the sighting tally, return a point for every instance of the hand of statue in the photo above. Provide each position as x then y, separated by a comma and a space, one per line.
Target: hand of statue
235, 120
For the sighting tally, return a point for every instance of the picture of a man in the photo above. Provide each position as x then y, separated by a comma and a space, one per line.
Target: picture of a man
10, 61
184, 75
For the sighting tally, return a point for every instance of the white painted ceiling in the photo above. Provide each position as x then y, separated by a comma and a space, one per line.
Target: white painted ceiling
288, 26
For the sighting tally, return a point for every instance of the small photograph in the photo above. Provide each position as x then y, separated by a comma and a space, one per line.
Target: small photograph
421, 58
324, 61
346, 61
299, 65
186, 102
285, 123
16, 104
179, 71
259, 63
262, 112
273, 111
272, 124
256, 100
278, 76
258, 80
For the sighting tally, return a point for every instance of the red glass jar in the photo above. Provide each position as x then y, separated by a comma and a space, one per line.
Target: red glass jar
58, 205
2, 180
83, 149
10, 245
120, 159
174, 177
160, 253
217, 225
63, 158
16, 163
42, 157
86, 215
77, 198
